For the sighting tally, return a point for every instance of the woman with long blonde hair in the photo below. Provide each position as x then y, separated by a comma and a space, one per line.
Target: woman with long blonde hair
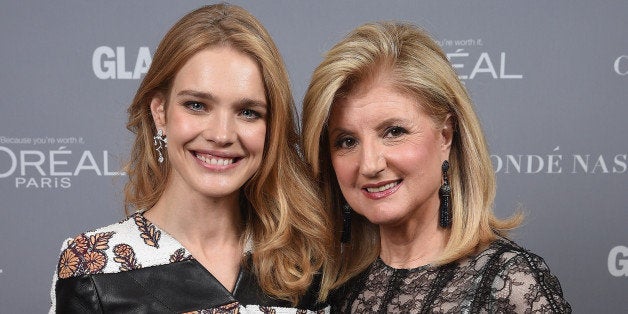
223, 216
391, 134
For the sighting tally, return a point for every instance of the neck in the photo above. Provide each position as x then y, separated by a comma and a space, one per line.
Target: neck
198, 221
412, 244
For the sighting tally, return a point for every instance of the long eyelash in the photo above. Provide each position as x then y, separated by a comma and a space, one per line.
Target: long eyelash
189, 104
399, 129
340, 141
256, 114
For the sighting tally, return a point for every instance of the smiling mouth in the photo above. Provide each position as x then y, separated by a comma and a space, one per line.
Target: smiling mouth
215, 161
383, 187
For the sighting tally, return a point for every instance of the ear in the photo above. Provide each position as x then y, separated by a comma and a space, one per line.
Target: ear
447, 135
158, 110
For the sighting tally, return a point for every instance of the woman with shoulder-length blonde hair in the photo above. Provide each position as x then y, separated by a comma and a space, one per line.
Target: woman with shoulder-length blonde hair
223, 215
391, 134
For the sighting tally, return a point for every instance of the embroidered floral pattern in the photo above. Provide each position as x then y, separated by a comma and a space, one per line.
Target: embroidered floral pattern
68, 264
81, 244
132, 244
125, 255
179, 256
149, 233
84, 255
303, 311
267, 310
231, 308
95, 261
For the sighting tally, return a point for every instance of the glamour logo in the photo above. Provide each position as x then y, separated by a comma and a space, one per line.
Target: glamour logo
621, 65
557, 163
108, 63
618, 261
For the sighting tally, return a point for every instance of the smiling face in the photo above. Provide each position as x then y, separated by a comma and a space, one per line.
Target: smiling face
215, 122
387, 154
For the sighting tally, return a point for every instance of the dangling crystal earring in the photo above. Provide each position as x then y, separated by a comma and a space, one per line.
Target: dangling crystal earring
346, 224
160, 141
445, 199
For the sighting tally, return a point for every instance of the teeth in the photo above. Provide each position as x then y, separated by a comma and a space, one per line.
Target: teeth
215, 161
382, 188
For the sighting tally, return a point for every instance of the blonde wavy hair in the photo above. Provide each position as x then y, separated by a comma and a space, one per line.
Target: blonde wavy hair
283, 215
417, 66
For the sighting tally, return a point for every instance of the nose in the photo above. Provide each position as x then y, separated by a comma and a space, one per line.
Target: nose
372, 160
221, 129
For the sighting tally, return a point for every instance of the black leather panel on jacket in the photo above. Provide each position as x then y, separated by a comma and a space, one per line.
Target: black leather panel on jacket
248, 291
77, 295
173, 288
310, 299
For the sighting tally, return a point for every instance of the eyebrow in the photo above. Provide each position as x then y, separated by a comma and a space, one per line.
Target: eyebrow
392, 121
196, 94
211, 98
337, 130
379, 127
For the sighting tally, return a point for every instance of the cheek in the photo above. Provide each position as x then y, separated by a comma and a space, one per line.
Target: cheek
344, 168
424, 152
179, 126
424, 166
253, 137
414, 160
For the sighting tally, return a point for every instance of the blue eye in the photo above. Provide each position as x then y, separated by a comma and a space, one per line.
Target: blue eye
250, 114
195, 106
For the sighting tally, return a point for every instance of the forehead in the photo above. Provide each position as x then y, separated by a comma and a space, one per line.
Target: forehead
221, 66
375, 101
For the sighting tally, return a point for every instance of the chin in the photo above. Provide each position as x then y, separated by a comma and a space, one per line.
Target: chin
394, 218
221, 193
383, 219
217, 191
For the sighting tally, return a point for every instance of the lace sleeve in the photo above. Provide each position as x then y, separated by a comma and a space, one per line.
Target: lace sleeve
525, 285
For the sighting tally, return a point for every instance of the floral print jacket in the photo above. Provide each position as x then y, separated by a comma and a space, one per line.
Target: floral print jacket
134, 267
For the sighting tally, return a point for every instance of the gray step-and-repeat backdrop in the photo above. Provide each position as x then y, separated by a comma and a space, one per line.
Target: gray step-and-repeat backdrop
549, 79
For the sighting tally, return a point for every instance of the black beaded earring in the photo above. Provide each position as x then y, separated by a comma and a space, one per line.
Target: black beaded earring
445, 199
346, 224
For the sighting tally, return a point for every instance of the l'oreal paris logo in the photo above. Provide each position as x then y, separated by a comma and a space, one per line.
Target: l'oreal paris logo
621, 65
471, 65
618, 261
484, 65
41, 168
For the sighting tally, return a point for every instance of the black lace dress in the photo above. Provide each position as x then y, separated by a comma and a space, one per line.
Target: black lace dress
504, 278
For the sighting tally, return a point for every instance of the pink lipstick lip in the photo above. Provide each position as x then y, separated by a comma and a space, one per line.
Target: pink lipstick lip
219, 168
381, 194
378, 184
218, 154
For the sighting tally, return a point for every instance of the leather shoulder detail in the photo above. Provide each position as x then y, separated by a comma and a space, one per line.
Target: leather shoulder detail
248, 292
310, 299
76, 295
178, 287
